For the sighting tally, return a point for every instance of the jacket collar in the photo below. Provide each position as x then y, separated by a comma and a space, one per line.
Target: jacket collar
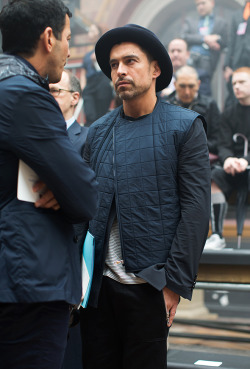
11, 66
75, 128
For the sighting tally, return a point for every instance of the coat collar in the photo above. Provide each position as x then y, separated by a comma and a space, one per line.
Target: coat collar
75, 128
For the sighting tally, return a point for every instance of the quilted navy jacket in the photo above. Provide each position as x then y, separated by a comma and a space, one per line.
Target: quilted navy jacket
154, 173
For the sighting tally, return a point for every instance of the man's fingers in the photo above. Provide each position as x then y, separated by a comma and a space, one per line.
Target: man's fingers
39, 187
170, 316
47, 201
51, 204
56, 207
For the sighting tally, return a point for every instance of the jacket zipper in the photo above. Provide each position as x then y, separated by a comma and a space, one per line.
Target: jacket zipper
116, 197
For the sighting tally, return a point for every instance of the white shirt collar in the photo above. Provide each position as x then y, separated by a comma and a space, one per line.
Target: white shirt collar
70, 121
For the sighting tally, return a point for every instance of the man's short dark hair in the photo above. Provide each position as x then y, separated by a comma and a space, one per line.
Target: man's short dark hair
23, 21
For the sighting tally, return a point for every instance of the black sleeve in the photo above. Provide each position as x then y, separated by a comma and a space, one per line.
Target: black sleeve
180, 271
189, 34
225, 142
213, 122
231, 42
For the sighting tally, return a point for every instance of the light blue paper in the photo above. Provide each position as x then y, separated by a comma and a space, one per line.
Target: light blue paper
88, 255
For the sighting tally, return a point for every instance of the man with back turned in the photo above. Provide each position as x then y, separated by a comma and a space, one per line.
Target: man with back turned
39, 259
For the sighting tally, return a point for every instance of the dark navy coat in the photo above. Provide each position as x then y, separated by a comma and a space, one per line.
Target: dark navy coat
39, 258
77, 135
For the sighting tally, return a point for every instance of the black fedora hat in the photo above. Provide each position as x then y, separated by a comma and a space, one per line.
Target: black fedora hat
144, 38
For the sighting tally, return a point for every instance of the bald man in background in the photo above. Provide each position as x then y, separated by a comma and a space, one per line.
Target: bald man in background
179, 55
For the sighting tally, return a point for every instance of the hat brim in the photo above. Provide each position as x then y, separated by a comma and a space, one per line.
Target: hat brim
141, 36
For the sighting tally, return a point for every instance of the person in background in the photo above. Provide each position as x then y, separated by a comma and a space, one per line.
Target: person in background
206, 35
67, 93
234, 160
187, 95
152, 165
179, 55
97, 93
39, 262
238, 52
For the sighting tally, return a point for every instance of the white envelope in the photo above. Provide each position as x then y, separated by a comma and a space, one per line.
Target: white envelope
26, 180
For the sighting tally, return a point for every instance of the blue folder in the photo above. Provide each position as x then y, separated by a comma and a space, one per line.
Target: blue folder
88, 255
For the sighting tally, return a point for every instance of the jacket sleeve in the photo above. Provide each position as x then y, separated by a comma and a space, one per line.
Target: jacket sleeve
213, 122
231, 42
180, 271
38, 137
222, 31
225, 144
189, 33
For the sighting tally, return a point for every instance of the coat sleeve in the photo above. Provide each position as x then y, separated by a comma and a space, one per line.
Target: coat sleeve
231, 42
213, 123
38, 137
221, 27
225, 143
190, 32
180, 270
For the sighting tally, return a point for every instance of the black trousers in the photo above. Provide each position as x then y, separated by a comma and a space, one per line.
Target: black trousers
228, 183
128, 329
33, 336
73, 353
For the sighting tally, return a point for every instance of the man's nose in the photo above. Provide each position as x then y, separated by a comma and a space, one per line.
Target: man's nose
68, 56
121, 70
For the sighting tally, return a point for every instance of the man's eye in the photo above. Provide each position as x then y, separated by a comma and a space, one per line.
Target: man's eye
113, 65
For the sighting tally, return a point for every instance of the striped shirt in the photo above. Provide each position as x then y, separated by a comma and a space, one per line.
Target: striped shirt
114, 266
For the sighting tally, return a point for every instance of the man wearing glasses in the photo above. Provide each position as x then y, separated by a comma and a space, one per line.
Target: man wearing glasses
67, 93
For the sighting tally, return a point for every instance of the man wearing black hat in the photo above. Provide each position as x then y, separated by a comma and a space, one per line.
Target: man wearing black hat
151, 161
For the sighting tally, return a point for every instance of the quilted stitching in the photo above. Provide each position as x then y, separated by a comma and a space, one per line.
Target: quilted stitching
143, 179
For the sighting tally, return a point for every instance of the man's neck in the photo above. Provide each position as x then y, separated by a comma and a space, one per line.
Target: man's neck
139, 106
69, 114
245, 101
38, 62
183, 103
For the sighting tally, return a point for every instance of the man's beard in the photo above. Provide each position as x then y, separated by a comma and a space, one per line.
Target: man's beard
132, 93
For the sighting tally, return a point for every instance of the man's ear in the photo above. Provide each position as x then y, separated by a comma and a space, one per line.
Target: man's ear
48, 39
157, 69
75, 98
